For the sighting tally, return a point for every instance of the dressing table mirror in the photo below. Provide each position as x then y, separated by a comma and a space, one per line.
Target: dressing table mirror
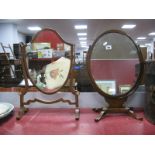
111, 65
47, 63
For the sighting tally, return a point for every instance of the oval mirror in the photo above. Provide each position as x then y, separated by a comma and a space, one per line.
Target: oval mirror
48, 61
111, 65
112, 60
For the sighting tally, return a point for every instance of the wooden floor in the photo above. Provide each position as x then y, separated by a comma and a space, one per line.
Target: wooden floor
61, 122
50, 121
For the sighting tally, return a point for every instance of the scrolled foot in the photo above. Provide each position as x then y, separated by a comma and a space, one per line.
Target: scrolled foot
100, 116
19, 115
77, 114
25, 110
132, 114
21, 112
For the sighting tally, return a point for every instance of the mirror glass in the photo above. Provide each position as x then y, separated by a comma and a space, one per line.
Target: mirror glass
112, 63
48, 60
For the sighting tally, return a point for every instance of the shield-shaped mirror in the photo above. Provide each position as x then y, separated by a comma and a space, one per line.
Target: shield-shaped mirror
48, 60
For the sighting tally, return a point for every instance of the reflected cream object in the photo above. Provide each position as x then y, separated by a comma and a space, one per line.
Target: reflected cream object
3, 108
56, 73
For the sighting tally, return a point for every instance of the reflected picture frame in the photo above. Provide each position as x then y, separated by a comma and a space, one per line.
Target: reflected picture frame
108, 86
124, 88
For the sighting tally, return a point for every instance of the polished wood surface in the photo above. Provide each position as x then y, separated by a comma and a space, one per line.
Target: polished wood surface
16, 89
47, 122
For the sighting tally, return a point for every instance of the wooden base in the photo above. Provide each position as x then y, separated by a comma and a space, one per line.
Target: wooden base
104, 111
23, 110
77, 114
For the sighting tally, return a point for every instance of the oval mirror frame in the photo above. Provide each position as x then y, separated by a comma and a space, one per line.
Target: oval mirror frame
70, 57
138, 79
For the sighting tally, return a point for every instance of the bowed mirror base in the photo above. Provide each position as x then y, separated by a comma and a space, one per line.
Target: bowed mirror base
115, 106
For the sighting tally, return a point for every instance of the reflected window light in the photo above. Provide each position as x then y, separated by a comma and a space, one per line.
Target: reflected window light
108, 47
83, 42
34, 28
83, 38
80, 27
142, 45
81, 34
128, 26
152, 34
105, 43
148, 44
141, 38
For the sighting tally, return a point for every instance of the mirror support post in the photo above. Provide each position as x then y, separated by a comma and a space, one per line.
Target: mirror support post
24, 90
77, 109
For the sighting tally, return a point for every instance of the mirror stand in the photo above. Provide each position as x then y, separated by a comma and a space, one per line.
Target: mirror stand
111, 64
23, 110
24, 90
115, 106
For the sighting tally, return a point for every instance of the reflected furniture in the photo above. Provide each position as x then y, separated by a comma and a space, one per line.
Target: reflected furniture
149, 81
5, 109
111, 65
10, 67
47, 62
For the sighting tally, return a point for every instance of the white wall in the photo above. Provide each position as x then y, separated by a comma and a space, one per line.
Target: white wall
86, 99
10, 35
21, 37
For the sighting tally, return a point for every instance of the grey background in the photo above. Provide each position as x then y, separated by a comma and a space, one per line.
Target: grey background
86, 99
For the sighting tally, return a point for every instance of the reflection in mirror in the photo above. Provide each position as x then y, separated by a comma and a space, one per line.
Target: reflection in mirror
112, 65
48, 60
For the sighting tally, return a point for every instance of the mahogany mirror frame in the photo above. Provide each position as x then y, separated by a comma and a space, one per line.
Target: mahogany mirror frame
23, 90
71, 64
115, 102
